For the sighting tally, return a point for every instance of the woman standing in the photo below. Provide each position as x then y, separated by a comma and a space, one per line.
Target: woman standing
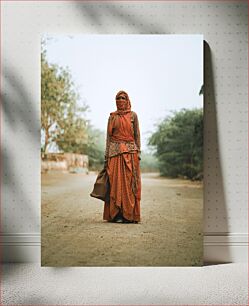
122, 161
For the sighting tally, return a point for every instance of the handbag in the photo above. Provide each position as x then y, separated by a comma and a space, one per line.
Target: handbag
101, 189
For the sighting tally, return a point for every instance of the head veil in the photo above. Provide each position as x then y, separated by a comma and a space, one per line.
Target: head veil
119, 112
127, 107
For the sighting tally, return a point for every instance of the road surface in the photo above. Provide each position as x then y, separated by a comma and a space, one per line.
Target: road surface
75, 234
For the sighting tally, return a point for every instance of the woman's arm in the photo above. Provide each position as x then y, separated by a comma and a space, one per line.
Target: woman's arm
137, 134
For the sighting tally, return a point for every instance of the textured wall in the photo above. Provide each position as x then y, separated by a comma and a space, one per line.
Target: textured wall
224, 25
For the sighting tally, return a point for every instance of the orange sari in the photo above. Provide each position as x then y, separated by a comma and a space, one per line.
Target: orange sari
125, 183
123, 169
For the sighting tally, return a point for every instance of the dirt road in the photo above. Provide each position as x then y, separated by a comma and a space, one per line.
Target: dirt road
75, 234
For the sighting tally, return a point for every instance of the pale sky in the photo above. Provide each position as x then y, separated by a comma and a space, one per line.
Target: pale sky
159, 72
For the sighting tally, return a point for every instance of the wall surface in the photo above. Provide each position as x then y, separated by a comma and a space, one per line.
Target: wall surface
224, 25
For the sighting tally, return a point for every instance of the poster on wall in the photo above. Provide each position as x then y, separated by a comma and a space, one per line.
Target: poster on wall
121, 150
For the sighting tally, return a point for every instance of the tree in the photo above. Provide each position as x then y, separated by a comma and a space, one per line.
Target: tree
95, 147
179, 143
61, 119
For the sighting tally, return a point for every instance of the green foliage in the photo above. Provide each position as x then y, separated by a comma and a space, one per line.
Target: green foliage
95, 148
179, 144
62, 120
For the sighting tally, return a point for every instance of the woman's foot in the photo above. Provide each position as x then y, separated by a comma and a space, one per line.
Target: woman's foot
118, 218
127, 221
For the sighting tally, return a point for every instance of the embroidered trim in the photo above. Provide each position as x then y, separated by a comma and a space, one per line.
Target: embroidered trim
114, 148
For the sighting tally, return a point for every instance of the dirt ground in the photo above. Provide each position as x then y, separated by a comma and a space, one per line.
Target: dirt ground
75, 234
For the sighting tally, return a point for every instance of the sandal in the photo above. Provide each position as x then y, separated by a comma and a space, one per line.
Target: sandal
127, 221
118, 218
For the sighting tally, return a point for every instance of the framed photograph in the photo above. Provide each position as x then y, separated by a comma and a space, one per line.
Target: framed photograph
122, 150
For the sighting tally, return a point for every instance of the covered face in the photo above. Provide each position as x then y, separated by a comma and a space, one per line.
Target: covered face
122, 101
